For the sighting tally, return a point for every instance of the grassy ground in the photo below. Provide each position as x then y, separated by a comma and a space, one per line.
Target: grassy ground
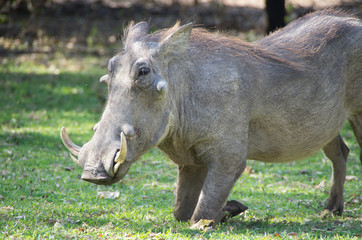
42, 196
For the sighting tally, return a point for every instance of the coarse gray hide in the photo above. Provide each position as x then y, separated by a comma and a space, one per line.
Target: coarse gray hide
211, 102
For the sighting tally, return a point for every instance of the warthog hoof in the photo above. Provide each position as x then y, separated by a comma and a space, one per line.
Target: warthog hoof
335, 205
232, 209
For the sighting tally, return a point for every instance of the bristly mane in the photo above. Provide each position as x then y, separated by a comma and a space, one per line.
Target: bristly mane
246, 51
303, 38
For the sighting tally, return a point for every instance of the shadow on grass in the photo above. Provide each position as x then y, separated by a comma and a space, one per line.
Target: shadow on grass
58, 92
316, 228
32, 140
311, 225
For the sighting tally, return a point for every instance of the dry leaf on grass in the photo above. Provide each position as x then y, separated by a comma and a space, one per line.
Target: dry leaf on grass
203, 224
321, 185
248, 170
107, 194
351, 178
58, 226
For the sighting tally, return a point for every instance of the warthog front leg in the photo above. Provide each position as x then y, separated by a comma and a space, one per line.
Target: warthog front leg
189, 183
337, 152
218, 183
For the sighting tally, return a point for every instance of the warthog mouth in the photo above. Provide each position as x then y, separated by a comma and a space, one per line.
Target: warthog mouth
106, 177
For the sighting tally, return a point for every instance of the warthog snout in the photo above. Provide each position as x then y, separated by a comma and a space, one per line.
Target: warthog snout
105, 171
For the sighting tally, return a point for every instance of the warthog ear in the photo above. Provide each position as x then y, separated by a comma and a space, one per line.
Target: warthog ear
176, 41
134, 32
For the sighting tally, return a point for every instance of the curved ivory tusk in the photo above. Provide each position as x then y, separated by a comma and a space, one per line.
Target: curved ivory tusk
121, 155
116, 166
75, 160
71, 146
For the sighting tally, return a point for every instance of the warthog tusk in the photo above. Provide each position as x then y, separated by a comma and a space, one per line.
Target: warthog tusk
121, 154
71, 146
75, 160
115, 168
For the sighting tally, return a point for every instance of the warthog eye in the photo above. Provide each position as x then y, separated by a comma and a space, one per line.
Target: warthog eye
143, 81
143, 71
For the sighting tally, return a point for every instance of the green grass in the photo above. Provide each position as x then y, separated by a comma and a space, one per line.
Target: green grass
42, 196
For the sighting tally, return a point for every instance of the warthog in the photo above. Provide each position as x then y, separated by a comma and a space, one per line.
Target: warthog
211, 102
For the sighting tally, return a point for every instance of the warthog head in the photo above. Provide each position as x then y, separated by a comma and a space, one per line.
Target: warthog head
138, 113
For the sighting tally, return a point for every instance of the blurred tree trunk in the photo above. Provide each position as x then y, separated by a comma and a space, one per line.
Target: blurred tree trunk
276, 12
34, 7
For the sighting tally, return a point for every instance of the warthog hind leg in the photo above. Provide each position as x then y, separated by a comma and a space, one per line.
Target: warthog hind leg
356, 124
337, 152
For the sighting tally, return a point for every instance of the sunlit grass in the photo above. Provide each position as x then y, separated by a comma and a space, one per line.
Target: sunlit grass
42, 196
